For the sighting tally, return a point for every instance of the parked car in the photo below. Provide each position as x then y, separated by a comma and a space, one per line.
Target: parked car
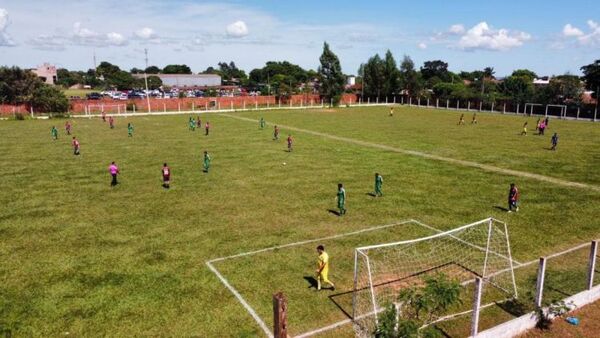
94, 96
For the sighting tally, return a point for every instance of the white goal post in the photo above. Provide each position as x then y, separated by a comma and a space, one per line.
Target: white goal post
563, 109
109, 108
480, 249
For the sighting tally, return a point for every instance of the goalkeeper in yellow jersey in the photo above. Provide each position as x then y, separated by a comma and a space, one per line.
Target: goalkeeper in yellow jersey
323, 268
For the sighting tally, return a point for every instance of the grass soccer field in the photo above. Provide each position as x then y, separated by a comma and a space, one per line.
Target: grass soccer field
81, 257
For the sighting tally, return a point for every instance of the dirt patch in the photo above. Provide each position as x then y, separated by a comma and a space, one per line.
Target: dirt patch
589, 325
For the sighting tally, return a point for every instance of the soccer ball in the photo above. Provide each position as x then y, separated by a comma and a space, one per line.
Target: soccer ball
284, 163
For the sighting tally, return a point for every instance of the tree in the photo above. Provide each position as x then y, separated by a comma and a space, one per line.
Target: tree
419, 306
591, 76
434, 72
525, 73
211, 70
106, 69
562, 89
154, 82
121, 80
66, 78
519, 88
373, 76
135, 70
17, 85
177, 69
410, 78
391, 82
488, 72
152, 70
330, 73
49, 99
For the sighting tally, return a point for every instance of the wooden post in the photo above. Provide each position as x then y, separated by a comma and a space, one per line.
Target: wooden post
476, 307
539, 288
280, 315
592, 264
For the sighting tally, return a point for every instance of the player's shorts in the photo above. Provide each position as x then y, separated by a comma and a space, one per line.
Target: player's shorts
166, 178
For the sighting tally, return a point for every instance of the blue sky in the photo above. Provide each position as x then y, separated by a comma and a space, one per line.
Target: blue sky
549, 37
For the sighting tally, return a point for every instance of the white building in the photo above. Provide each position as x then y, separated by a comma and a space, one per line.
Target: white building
46, 73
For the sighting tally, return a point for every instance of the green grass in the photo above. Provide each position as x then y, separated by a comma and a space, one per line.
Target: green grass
83, 258
78, 92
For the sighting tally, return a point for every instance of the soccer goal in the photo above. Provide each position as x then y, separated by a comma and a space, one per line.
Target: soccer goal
559, 110
112, 108
480, 249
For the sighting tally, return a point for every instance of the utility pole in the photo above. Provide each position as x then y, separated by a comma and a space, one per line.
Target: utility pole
146, 79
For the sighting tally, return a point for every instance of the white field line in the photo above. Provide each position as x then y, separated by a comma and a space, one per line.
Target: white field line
237, 295
378, 227
464, 163
247, 306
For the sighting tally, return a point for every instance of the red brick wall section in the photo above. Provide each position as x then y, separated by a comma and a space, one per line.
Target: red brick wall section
200, 103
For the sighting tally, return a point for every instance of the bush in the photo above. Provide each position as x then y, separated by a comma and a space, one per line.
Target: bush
49, 99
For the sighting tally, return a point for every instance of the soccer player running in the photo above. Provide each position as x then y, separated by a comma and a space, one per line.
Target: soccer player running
474, 119
207, 128
323, 268
130, 129
111, 122
68, 127
524, 132
103, 114
341, 199
378, 185
54, 133
513, 198
554, 141
207, 160
76, 146
462, 119
199, 122
114, 171
391, 111
166, 174
275, 133
192, 124
289, 143
261, 123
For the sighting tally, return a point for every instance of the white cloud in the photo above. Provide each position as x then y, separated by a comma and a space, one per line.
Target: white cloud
482, 36
422, 45
115, 39
456, 29
569, 30
237, 29
5, 39
146, 33
83, 33
575, 35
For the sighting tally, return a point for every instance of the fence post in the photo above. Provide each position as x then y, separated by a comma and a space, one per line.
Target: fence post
386, 100
256, 104
504, 108
402, 100
134, 108
244, 104
279, 102
492, 106
468, 105
178, 106
447, 104
192, 106
164, 107
592, 264
31, 109
280, 315
410, 101
427, 102
578, 110
480, 105
331, 103
476, 307
595, 113
518, 104
322, 103
457, 104
219, 105
437, 103
231, 104
394, 99
377, 100
539, 288
419, 101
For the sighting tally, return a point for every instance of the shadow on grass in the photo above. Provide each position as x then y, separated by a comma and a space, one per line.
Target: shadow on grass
513, 307
311, 281
500, 208
343, 301
335, 212
371, 194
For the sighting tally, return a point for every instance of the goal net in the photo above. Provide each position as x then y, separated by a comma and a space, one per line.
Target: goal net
480, 249
95, 109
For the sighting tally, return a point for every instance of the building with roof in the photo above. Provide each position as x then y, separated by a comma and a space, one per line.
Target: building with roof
46, 72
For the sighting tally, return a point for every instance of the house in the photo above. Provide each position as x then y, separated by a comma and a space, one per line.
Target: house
46, 72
